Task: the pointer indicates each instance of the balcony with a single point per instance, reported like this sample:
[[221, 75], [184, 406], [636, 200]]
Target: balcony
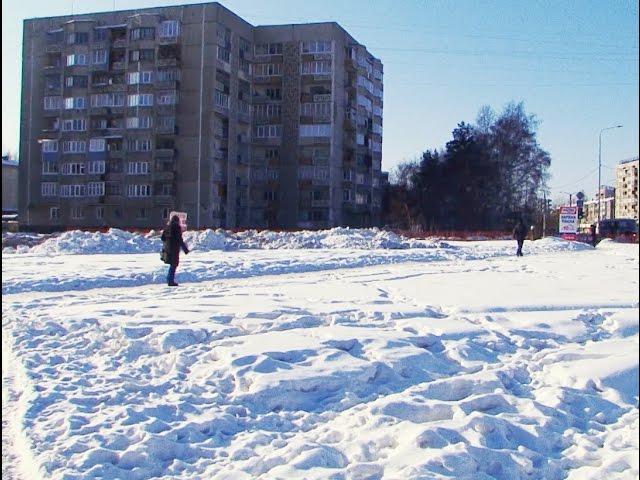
[[119, 43], [168, 62], [168, 40], [320, 203], [164, 152], [166, 130], [166, 175]]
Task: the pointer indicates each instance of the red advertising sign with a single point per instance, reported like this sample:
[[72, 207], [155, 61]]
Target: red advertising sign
[[568, 221]]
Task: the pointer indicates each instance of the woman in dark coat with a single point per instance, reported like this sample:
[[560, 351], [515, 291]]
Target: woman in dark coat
[[172, 243], [519, 233]]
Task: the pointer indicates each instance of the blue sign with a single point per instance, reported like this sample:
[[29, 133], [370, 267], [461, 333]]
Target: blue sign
[[579, 203]]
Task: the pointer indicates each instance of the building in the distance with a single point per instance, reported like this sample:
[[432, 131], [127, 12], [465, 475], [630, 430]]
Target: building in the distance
[[9, 185], [627, 189], [128, 115]]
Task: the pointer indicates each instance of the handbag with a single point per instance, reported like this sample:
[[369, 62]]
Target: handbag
[[164, 256]]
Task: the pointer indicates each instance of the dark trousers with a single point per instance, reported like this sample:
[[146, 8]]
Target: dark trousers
[[520, 243], [171, 275]]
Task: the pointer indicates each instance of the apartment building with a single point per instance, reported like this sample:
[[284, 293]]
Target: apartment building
[[128, 115], [627, 189], [9, 185]]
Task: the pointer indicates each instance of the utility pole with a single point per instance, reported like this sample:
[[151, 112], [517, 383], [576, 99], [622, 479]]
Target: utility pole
[[600, 167]]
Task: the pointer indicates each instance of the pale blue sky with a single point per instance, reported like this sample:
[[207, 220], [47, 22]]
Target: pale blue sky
[[573, 63]]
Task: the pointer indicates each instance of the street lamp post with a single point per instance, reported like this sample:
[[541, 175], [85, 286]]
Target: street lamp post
[[600, 167], [570, 197]]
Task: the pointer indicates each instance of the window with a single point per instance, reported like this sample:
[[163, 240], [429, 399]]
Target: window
[[140, 100], [74, 125], [142, 33], [267, 110], [267, 69], [139, 145], [365, 102], [139, 122], [52, 82], [322, 109], [80, 81], [346, 195], [145, 54], [99, 213], [223, 54], [49, 189], [366, 83], [168, 74], [95, 189], [74, 103], [113, 188], [52, 103], [142, 213], [49, 146], [221, 99], [267, 131], [271, 153], [77, 38], [77, 59], [316, 67], [107, 100], [138, 168], [268, 49], [72, 190], [96, 167], [74, 146], [315, 130], [169, 29], [134, 78], [77, 213], [317, 46], [99, 57], [49, 168], [97, 145], [138, 190], [168, 97], [73, 169], [166, 122], [271, 195], [54, 213], [100, 35], [273, 93]]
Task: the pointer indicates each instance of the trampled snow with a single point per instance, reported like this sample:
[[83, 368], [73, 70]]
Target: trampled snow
[[341, 354]]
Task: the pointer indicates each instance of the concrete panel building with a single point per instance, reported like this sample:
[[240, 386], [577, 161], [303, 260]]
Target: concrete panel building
[[9, 185], [627, 189], [128, 115]]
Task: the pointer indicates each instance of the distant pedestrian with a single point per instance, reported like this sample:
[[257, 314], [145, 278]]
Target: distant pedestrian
[[519, 233], [172, 243], [593, 234]]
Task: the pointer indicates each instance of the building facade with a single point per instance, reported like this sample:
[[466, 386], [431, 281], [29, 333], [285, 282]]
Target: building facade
[[9, 185], [129, 115], [627, 189]]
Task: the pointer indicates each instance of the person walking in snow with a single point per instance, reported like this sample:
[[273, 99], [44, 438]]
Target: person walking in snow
[[519, 233], [172, 243]]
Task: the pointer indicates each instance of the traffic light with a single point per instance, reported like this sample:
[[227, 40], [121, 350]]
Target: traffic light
[[579, 204]]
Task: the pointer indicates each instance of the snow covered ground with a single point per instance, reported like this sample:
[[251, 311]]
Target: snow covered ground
[[342, 354]]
